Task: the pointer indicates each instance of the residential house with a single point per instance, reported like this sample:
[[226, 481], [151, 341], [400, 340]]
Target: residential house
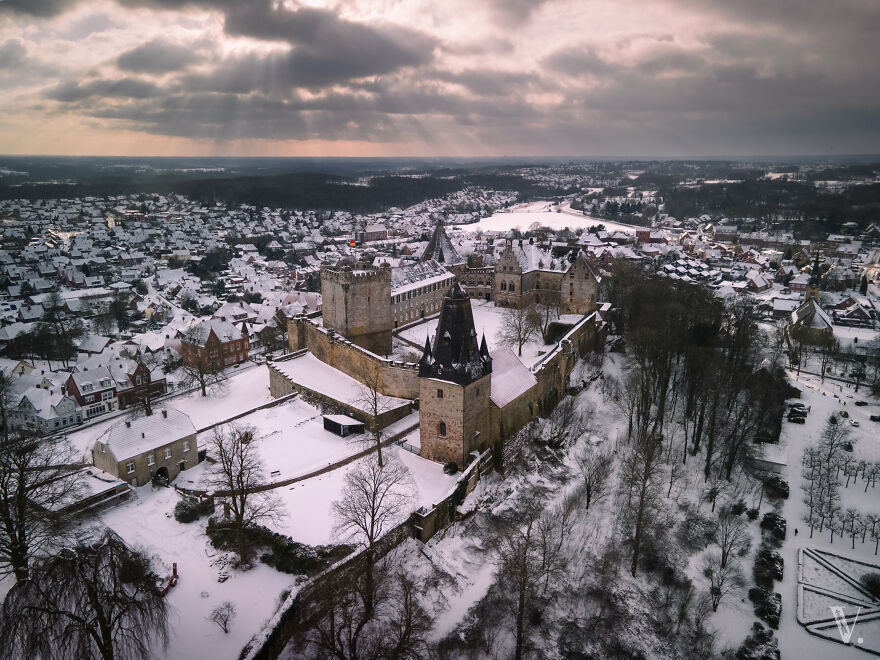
[[161, 445]]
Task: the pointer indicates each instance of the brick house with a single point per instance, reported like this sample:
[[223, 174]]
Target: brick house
[[163, 444], [216, 343]]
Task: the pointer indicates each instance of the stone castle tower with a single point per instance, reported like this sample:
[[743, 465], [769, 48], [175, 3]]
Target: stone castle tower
[[356, 302], [455, 380], [813, 288]]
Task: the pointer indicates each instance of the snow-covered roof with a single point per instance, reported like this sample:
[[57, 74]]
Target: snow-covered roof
[[130, 438], [510, 377]]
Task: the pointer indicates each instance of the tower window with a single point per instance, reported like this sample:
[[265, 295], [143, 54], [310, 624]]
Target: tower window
[[439, 394], [442, 429]]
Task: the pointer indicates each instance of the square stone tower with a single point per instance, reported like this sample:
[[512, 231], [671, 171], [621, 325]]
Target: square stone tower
[[455, 381], [356, 302]]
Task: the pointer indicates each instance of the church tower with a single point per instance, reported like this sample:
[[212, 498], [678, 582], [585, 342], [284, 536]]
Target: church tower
[[813, 288], [455, 380]]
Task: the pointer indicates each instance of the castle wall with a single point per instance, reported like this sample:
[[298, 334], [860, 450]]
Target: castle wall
[[398, 379], [578, 289], [280, 385]]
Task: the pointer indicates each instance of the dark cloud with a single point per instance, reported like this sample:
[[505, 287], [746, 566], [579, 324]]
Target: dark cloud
[[576, 62], [38, 8], [514, 13], [13, 54], [157, 56], [488, 82], [72, 92]]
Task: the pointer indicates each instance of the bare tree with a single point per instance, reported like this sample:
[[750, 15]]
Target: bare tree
[[373, 498], [198, 368], [594, 463], [374, 401], [39, 478], [642, 469], [92, 601], [518, 326], [223, 615], [547, 313], [732, 537], [833, 442], [722, 579], [395, 627], [566, 424], [7, 399], [236, 476], [519, 572]]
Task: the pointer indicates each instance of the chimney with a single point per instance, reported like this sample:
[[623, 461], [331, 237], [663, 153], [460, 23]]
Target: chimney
[[165, 414], [127, 424], [143, 434]]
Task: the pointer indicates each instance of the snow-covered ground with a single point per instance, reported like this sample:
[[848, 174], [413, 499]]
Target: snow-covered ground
[[307, 503], [147, 522], [543, 214], [823, 399], [245, 389], [488, 319]]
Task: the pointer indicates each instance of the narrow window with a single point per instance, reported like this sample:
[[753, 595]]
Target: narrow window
[[439, 394], [442, 429], [151, 459]]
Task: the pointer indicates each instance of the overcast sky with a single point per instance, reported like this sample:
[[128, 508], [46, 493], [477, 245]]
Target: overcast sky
[[448, 77]]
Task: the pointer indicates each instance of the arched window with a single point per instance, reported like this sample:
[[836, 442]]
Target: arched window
[[512, 287], [504, 286], [442, 429]]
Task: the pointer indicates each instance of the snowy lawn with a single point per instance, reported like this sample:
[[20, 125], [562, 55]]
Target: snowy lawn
[[308, 503], [524, 216], [488, 319], [147, 522], [245, 389]]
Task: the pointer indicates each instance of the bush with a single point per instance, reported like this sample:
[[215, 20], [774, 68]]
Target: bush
[[871, 582], [186, 510], [752, 514], [205, 507], [281, 552], [760, 645], [776, 487], [450, 468], [768, 605], [768, 566], [738, 509], [774, 524]]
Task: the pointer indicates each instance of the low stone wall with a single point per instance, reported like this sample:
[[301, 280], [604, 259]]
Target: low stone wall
[[281, 386], [427, 522], [398, 379], [303, 606]]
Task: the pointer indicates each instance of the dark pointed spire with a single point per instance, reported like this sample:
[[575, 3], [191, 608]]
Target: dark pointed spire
[[484, 349], [427, 357], [456, 355]]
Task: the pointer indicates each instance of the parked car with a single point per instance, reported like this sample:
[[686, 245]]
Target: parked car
[[853, 422], [875, 418], [797, 406], [861, 403], [844, 414], [797, 420]]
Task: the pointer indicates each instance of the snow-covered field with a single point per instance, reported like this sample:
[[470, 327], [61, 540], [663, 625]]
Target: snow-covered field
[[147, 522], [488, 319], [523, 216], [242, 391]]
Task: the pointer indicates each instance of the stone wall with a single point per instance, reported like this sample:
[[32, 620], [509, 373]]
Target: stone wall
[[280, 385], [400, 379]]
